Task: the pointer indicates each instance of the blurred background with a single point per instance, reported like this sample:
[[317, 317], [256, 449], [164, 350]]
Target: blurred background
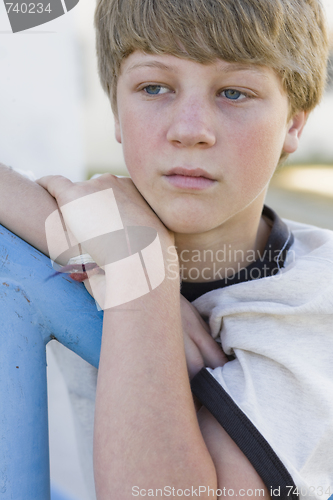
[[55, 119]]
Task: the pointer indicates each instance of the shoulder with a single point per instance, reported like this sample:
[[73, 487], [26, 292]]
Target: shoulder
[[312, 247], [310, 238]]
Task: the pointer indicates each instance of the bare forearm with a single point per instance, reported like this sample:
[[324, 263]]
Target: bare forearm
[[146, 430], [24, 207]]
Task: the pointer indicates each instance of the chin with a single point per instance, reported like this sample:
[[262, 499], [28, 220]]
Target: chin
[[182, 225]]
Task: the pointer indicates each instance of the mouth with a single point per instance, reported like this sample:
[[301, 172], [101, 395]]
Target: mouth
[[190, 172], [189, 178]]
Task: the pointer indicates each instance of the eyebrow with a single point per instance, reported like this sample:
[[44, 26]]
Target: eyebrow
[[243, 67], [232, 67], [151, 64]]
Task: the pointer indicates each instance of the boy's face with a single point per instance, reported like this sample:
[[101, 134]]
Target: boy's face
[[227, 119]]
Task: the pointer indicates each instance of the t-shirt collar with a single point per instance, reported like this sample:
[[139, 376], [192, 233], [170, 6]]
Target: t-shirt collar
[[271, 261]]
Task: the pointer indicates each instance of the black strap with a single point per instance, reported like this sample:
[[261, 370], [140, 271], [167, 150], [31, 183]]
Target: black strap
[[247, 437]]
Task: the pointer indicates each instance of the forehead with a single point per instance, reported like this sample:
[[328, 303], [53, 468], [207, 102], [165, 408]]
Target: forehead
[[139, 60]]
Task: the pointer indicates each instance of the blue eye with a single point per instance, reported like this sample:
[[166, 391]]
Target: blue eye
[[154, 89], [232, 94]]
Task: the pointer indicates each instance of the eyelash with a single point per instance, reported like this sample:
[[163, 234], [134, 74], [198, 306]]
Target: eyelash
[[147, 87], [244, 94]]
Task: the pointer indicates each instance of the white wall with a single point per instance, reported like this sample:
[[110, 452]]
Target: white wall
[[102, 152], [40, 99], [55, 118]]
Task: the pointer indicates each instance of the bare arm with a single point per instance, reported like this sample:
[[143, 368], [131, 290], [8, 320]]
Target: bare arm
[[158, 441], [147, 433], [24, 207]]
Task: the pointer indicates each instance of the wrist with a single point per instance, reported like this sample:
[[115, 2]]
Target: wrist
[[144, 269]]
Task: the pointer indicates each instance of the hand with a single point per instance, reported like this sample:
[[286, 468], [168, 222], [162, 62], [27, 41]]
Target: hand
[[111, 221], [200, 348], [133, 208]]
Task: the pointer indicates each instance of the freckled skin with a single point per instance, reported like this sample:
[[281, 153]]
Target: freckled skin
[[191, 122]]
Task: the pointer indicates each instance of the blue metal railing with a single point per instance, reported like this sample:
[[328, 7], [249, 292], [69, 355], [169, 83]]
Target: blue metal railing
[[34, 310]]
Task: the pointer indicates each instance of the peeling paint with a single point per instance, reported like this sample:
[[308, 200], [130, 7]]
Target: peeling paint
[[26, 298], [18, 289]]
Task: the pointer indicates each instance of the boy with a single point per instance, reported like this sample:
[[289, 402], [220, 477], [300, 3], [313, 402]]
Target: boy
[[208, 98]]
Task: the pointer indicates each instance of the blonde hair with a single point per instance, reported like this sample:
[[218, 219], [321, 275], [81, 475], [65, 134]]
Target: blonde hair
[[289, 36]]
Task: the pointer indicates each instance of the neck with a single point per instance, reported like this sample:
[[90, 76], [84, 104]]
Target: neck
[[221, 252]]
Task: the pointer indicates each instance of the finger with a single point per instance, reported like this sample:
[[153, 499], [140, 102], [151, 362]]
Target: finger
[[54, 184], [198, 331], [210, 350], [194, 358], [190, 314], [200, 319]]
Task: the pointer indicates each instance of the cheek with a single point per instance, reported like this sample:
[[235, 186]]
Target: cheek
[[259, 151], [140, 141]]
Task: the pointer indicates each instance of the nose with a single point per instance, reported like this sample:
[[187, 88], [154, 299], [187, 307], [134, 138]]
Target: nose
[[192, 124]]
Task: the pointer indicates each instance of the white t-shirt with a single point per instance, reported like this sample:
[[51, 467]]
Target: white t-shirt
[[280, 329]]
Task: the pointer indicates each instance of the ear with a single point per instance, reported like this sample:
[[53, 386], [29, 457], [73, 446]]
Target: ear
[[117, 129], [294, 131]]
